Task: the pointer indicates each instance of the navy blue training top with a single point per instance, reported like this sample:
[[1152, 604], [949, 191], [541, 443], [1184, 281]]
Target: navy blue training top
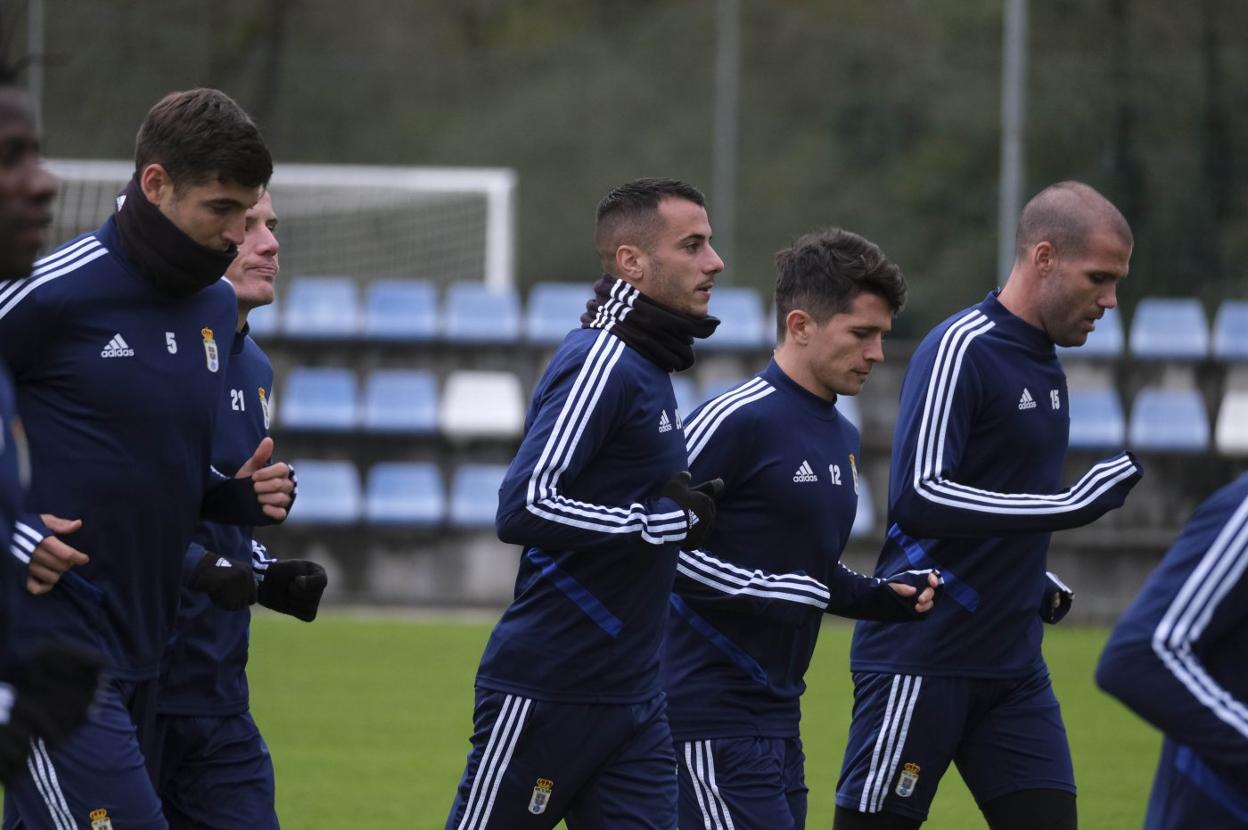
[[12, 496], [204, 672], [747, 606], [118, 386], [601, 439], [1177, 655], [975, 491]]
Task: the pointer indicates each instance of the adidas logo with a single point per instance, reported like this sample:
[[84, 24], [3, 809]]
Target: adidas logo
[[117, 347], [222, 562], [665, 423], [1026, 401], [805, 473]]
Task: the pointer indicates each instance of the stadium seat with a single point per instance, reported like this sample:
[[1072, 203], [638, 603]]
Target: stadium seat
[[864, 519], [1169, 420], [329, 493], [742, 325], [262, 321], [1096, 420], [474, 495], [407, 494], [1230, 331], [320, 308], [401, 401], [1169, 329], [477, 313], [1231, 436], [318, 399], [1105, 341], [554, 309], [686, 395], [401, 310], [847, 405], [481, 405]]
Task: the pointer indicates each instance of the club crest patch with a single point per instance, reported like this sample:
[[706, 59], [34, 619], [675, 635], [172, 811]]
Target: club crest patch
[[541, 796], [853, 468], [264, 406], [210, 350], [908, 779], [100, 820]]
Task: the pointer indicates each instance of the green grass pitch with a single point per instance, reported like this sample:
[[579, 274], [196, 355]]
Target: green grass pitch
[[368, 721]]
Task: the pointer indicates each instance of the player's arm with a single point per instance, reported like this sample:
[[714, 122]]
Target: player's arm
[[260, 493], [939, 402], [1157, 658], [568, 425], [46, 556]]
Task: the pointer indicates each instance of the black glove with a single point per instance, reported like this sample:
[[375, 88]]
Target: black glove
[[699, 504], [1056, 599], [294, 587], [229, 584], [886, 605], [49, 702]]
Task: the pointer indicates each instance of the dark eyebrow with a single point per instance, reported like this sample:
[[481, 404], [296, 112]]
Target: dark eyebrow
[[694, 237]]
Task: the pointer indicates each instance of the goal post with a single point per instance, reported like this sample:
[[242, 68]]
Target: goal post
[[439, 223]]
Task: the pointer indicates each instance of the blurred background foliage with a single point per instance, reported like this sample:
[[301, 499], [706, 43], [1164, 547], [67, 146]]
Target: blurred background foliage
[[878, 115]]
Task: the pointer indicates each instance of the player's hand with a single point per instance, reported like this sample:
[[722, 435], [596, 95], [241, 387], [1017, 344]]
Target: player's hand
[[274, 483], [925, 599], [294, 587], [698, 502], [52, 558], [50, 701], [229, 584], [1056, 600]]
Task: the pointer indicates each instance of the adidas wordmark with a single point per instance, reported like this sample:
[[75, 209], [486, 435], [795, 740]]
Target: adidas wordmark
[[805, 473], [117, 347], [1026, 401]]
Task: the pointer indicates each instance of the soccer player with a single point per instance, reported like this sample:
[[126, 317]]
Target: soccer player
[[46, 697], [569, 718], [747, 605], [1177, 659], [209, 743], [116, 344], [975, 491]]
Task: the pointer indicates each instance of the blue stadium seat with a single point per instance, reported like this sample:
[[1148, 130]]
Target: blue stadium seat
[[263, 321], [1232, 433], [1096, 420], [742, 325], [407, 494], [686, 395], [401, 401], [401, 310], [1169, 420], [554, 309], [329, 493], [320, 308], [847, 405], [1105, 341], [1170, 329], [1230, 331], [474, 495], [318, 399], [477, 313], [864, 519]]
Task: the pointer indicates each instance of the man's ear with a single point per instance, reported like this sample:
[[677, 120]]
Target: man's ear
[[155, 183], [1043, 257], [630, 263], [797, 327]]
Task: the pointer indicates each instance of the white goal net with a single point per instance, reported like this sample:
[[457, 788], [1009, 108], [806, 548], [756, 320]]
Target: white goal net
[[441, 224]]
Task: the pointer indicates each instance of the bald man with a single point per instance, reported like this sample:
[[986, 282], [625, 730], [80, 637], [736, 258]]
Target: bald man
[[975, 492]]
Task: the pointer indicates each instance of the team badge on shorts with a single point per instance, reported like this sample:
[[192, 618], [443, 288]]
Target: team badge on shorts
[[210, 350], [541, 796], [100, 820], [907, 780], [264, 406]]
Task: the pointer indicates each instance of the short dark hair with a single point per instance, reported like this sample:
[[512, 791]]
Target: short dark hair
[[822, 272], [629, 213], [201, 134], [1066, 215]]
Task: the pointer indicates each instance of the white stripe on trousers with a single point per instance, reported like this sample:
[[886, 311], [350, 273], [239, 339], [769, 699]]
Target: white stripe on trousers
[[498, 750], [902, 698], [44, 775], [700, 761]]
